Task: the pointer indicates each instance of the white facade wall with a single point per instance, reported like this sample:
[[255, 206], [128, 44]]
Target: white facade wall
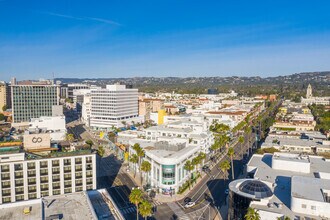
[[310, 207], [31, 179], [113, 105]]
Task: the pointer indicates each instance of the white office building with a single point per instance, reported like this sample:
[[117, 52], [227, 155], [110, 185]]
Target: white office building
[[114, 105], [283, 185]]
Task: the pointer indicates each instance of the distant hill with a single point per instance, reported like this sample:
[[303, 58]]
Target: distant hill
[[295, 83]]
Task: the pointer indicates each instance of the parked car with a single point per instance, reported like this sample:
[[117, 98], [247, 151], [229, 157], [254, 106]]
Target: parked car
[[186, 200], [189, 204]]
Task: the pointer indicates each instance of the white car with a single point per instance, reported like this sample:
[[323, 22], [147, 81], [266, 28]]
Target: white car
[[189, 204]]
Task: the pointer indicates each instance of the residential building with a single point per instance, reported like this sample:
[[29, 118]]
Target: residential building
[[283, 185], [26, 176], [115, 106], [32, 99], [148, 105]]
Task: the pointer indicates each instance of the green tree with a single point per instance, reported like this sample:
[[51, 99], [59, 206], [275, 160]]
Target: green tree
[[69, 137], [2, 117], [224, 167], [231, 153], [145, 209], [136, 197], [68, 100], [4, 108], [145, 167], [195, 161], [89, 142], [202, 157], [252, 214], [134, 159], [100, 151], [189, 167]]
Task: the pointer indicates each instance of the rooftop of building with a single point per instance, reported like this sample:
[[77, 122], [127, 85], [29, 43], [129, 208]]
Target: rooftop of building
[[68, 206], [281, 141]]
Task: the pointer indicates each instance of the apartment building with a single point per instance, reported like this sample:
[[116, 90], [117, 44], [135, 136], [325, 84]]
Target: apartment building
[[148, 105], [32, 99], [26, 176], [114, 105]]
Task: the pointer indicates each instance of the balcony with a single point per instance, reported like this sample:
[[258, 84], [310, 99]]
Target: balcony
[[19, 184], [44, 189], [7, 177], [18, 175], [32, 182], [44, 180], [67, 170], [4, 169], [32, 190], [56, 187], [79, 168], [89, 167], [5, 186], [6, 194], [67, 177], [18, 167], [43, 165], [31, 174], [56, 171], [43, 173], [55, 164], [19, 192], [56, 179], [79, 184], [78, 161], [31, 166]]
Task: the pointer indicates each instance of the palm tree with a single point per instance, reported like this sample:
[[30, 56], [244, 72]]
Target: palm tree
[[134, 159], [252, 214], [195, 161], [136, 197], [202, 157], [145, 208], [231, 153], [145, 167], [224, 167], [189, 167], [139, 152], [241, 140]]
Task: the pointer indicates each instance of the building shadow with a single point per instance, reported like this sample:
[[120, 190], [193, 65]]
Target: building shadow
[[282, 189]]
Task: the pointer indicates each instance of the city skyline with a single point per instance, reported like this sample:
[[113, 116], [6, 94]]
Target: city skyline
[[110, 39]]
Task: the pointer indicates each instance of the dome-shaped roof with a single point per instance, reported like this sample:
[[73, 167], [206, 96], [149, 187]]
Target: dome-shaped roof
[[256, 188]]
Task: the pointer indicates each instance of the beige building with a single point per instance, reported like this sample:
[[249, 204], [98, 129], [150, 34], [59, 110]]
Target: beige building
[[146, 106], [3, 95]]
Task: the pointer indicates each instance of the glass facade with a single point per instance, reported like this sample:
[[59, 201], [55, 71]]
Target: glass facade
[[168, 174], [33, 101]]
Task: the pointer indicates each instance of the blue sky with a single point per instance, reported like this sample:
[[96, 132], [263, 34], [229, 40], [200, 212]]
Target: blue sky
[[162, 38]]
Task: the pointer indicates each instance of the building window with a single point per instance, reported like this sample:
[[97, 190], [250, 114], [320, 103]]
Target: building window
[[303, 206], [313, 207]]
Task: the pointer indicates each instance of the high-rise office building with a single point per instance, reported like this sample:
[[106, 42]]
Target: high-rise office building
[[114, 105], [32, 99]]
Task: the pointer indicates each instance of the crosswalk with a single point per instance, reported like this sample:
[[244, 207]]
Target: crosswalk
[[178, 211], [132, 208]]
